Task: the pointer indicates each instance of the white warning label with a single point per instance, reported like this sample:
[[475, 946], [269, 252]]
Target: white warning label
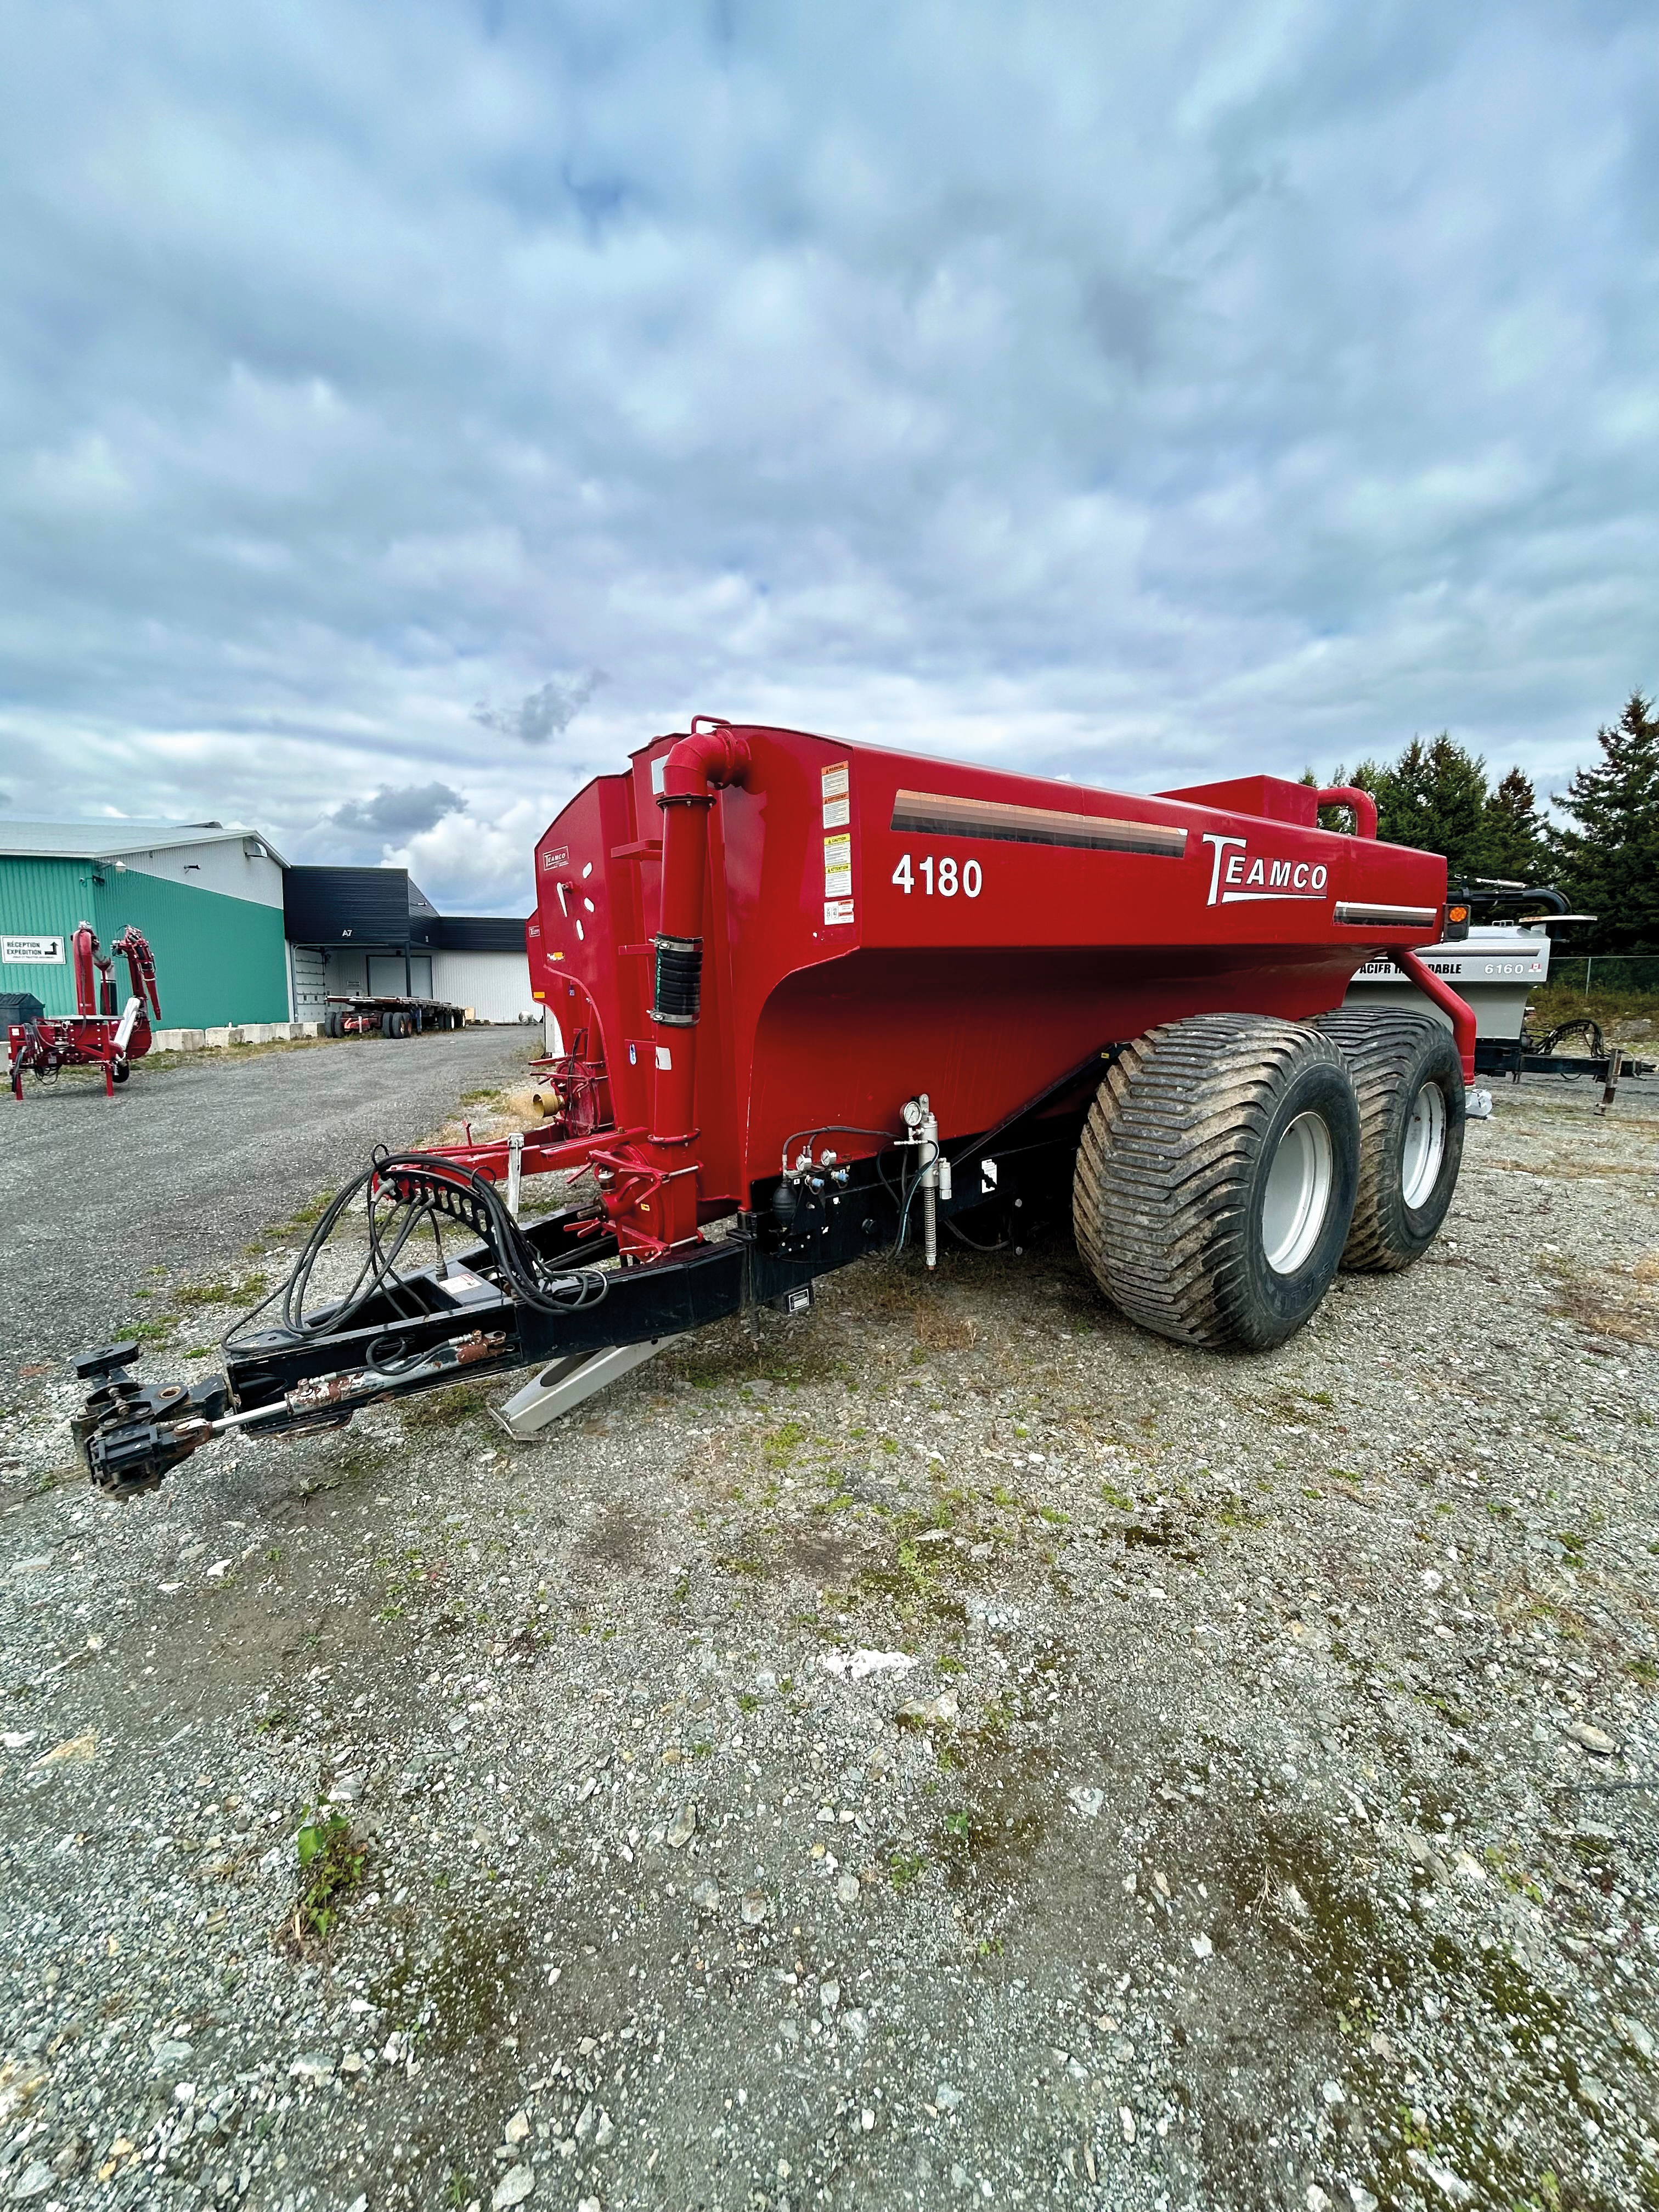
[[838, 867], [836, 911], [837, 796]]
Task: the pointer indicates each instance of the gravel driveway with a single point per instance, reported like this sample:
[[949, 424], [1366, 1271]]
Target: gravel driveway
[[193, 1159], [958, 1751]]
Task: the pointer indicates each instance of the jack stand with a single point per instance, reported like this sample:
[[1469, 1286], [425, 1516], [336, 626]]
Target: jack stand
[[1610, 1091], [567, 1382]]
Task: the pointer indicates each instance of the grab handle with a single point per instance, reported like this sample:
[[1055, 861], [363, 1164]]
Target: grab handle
[[1363, 805]]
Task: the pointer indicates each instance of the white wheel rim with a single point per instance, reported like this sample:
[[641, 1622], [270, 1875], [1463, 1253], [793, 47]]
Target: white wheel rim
[[1425, 1147], [1297, 1197]]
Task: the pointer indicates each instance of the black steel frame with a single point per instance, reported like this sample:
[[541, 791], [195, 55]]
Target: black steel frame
[[414, 1338]]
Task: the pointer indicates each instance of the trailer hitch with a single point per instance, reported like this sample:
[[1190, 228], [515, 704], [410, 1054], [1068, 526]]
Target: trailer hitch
[[130, 1433]]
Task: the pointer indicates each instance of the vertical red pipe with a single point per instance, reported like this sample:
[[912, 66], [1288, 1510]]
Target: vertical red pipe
[[706, 762], [1457, 1011], [85, 948]]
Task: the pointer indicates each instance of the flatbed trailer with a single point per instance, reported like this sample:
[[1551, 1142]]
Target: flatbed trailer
[[824, 997], [358, 1014]]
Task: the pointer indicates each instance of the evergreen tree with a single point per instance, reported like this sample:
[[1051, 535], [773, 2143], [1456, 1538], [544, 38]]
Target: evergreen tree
[[1515, 838], [1611, 859], [1434, 797]]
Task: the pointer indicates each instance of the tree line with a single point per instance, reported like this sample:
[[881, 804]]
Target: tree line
[[1604, 852]]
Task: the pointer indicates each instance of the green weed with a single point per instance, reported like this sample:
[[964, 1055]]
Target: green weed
[[148, 1332], [442, 1409], [189, 1297], [331, 1861], [779, 1445]]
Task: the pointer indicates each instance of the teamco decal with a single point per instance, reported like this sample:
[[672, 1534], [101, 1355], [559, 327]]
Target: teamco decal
[[1237, 875]]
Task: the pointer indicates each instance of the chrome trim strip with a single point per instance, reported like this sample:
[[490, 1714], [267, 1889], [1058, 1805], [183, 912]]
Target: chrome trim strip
[[938, 814], [1360, 915]]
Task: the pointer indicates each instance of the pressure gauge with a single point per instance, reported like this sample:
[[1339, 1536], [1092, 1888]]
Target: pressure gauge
[[913, 1110]]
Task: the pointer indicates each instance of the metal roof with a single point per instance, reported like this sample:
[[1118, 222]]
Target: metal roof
[[107, 840]]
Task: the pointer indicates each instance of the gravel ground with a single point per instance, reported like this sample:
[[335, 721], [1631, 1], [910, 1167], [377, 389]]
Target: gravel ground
[[198, 1154], [959, 1749]]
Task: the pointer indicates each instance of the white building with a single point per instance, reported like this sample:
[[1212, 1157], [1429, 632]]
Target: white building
[[374, 933]]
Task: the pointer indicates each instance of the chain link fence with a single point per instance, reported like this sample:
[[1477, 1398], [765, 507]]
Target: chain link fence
[[1611, 971]]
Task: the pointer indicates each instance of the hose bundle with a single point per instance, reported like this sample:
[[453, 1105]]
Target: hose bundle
[[403, 1193]]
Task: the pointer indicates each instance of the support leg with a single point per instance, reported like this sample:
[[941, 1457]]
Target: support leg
[[567, 1382]]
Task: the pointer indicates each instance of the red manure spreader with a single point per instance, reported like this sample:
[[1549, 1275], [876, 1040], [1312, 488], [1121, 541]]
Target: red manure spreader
[[94, 1035], [822, 1000]]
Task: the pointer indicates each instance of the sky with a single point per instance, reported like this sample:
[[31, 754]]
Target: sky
[[407, 411]]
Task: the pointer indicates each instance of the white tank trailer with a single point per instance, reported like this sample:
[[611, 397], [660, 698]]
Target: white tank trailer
[[1494, 969]]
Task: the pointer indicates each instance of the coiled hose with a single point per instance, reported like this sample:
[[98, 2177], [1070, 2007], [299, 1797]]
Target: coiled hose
[[394, 1215]]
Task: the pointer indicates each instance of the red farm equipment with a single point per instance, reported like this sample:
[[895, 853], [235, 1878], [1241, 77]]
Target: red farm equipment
[[95, 1035], [821, 999]]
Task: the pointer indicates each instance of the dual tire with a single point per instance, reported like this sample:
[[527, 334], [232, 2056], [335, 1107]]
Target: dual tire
[[1408, 1085], [1230, 1162]]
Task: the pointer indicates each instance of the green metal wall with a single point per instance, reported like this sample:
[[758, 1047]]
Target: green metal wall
[[38, 898], [217, 959]]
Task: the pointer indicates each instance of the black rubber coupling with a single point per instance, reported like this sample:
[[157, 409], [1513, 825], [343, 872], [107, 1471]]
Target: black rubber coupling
[[679, 982]]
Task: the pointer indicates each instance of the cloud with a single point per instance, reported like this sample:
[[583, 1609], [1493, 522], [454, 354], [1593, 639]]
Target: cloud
[[1144, 395], [543, 714], [399, 814], [485, 867]]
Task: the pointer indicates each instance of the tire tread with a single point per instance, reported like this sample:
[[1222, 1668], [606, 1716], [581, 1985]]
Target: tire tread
[[1378, 1046], [1164, 1160]]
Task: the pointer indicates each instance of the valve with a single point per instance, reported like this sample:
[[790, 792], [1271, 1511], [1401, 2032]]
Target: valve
[[921, 1127]]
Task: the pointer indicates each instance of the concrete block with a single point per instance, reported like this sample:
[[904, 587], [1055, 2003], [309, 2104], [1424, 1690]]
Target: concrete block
[[215, 1040], [307, 1029]]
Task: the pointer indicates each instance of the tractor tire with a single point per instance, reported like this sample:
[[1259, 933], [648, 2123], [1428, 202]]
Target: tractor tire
[[332, 1022], [1408, 1081], [1215, 1176]]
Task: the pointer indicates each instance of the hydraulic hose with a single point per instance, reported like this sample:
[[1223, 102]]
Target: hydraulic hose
[[423, 1176]]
